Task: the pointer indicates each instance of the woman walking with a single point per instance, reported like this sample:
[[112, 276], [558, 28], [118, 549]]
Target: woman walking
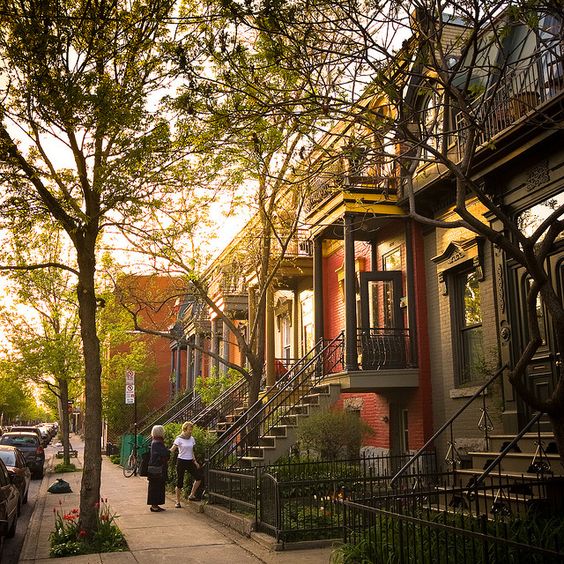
[[185, 444], [157, 471]]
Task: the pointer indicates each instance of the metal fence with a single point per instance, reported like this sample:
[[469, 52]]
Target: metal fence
[[426, 517], [478, 525]]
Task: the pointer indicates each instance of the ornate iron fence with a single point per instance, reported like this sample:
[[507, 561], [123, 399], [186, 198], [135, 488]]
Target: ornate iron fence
[[384, 348]]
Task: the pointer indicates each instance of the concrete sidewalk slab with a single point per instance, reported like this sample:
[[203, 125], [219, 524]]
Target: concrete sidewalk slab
[[176, 535]]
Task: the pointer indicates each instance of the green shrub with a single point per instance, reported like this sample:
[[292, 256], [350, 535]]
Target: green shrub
[[211, 387], [115, 458], [333, 434]]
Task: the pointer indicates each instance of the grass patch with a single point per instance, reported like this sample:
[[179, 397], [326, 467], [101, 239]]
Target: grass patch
[[62, 467]]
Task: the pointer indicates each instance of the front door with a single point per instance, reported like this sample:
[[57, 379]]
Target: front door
[[544, 369], [382, 334]]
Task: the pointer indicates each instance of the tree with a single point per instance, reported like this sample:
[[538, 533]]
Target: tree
[[15, 396], [413, 76], [259, 148], [42, 322], [85, 143]]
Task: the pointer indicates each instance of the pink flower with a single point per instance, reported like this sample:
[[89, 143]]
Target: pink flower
[[96, 505], [82, 533]]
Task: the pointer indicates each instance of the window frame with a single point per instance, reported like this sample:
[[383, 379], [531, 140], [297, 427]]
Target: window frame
[[458, 280]]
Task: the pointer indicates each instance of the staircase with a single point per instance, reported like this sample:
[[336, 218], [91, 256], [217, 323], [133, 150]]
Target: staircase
[[511, 476], [267, 429], [528, 476]]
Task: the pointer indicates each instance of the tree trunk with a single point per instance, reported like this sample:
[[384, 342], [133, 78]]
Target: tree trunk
[[90, 485], [64, 391]]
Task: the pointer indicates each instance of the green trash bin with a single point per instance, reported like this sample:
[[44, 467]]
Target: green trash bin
[[127, 446]]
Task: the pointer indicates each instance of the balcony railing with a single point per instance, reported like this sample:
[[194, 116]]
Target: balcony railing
[[526, 86], [382, 348]]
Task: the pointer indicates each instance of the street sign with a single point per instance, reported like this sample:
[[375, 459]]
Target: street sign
[[129, 387]]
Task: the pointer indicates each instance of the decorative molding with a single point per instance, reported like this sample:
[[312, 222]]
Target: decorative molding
[[500, 288], [467, 392], [457, 253], [537, 176]]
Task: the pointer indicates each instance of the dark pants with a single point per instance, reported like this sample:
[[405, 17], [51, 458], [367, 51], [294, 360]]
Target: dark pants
[[186, 465]]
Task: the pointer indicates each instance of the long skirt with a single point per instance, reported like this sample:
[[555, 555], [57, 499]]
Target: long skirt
[[156, 490]]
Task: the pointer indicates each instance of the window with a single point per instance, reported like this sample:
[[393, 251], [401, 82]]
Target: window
[[467, 325]]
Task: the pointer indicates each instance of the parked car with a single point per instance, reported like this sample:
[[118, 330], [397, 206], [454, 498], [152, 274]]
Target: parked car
[[30, 445], [18, 469], [30, 429], [9, 503]]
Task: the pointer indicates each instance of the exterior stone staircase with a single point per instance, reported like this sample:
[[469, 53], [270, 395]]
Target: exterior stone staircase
[[283, 435], [529, 477]]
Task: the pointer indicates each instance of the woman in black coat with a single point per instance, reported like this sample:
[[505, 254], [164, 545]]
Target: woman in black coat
[[159, 457]]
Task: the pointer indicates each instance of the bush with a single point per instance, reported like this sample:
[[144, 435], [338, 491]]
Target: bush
[[115, 458], [211, 387], [333, 434]]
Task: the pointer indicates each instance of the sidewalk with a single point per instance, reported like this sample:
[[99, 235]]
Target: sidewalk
[[176, 535]]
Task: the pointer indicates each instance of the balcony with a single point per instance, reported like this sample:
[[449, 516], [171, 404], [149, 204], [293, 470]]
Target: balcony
[[385, 359], [527, 86], [382, 348]]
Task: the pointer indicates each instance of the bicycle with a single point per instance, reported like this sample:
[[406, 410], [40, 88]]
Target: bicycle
[[131, 466]]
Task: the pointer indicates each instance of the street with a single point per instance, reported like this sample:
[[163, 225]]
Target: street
[[12, 547]]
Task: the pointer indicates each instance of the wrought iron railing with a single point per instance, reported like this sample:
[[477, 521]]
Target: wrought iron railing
[[526, 85], [261, 417], [452, 457], [160, 416], [384, 348], [451, 524]]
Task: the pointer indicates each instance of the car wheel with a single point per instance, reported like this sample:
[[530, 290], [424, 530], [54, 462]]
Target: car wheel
[[12, 530]]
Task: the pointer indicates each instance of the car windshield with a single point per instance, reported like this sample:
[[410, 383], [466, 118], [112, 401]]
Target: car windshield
[[8, 457], [18, 441]]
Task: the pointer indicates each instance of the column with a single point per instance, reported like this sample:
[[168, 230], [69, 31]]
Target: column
[[351, 355], [270, 346], [318, 288], [411, 305], [198, 341], [178, 368], [226, 346], [190, 364]]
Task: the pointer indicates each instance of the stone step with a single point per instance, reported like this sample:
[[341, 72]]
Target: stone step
[[528, 443], [513, 461]]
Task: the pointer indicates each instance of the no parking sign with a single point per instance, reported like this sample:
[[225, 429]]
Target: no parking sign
[[129, 387]]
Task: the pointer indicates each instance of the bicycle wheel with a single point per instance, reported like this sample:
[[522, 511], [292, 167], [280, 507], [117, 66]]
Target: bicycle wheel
[[130, 466]]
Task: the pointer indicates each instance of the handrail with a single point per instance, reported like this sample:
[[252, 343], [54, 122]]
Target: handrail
[[161, 412], [258, 409], [448, 423], [505, 450]]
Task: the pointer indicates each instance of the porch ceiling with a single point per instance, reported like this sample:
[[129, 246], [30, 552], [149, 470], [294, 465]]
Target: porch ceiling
[[375, 380], [355, 202]]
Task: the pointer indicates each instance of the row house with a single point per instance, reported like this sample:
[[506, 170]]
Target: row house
[[425, 313]]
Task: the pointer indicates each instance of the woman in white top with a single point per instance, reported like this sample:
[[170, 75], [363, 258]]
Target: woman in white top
[[185, 444]]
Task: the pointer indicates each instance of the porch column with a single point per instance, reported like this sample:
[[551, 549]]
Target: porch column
[[226, 347], [189, 365], [270, 347], [295, 326], [373, 255], [198, 341], [172, 368], [215, 345], [351, 355], [411, 309], [318, 288], [178, 368]]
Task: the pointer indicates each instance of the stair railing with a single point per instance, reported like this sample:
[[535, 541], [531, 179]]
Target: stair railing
[[453, 457], [259, 418], [496, 462], [161, 415]]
